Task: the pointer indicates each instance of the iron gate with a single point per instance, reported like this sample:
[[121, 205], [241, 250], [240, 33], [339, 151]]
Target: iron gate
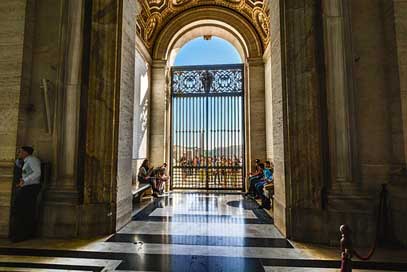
[[207, 127]]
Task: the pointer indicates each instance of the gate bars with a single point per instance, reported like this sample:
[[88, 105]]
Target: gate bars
[[207, 127]]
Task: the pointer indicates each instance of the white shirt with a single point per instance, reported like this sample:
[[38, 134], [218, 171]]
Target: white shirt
[[31, 170]]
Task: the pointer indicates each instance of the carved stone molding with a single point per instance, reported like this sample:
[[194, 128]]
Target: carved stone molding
[[155, 14]]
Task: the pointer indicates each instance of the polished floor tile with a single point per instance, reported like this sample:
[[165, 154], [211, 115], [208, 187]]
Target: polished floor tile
[[179, 232], [200, 240]]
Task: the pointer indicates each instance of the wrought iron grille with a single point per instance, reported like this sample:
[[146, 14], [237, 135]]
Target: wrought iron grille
[[207, 127], [207, 80]]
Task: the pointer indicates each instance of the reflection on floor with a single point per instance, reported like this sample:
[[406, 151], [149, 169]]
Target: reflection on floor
[[185, 232]]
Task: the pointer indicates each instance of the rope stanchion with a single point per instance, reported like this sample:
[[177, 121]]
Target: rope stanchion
[[347, 250]]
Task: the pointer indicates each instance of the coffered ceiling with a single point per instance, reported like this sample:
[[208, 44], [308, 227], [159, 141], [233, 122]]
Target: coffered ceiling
[[154, 14]]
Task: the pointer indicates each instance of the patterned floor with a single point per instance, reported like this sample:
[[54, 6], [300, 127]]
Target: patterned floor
[[181, 232]]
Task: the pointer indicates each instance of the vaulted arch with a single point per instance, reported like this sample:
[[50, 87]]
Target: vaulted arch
[[225, 24]]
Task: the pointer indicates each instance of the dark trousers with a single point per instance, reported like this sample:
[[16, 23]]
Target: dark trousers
[[253, 181], [23, 213]]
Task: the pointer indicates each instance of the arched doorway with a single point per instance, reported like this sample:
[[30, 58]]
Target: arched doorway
[[229, 26], [207, 124]]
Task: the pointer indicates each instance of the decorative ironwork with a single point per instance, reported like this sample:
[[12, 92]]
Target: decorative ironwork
[[207, 128], [212, 80]]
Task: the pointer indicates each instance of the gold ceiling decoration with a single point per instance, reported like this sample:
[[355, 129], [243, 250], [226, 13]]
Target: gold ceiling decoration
[[156, 13]]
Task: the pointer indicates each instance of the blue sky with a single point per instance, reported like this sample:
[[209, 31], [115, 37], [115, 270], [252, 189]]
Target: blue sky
[[223, 114], [201, 52]]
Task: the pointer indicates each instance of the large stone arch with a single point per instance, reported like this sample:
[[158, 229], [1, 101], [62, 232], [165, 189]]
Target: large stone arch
[[216, 16], [206, 27], [226, 24]]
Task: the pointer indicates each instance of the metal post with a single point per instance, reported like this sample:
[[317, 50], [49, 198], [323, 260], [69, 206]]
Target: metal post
[[346, 249]]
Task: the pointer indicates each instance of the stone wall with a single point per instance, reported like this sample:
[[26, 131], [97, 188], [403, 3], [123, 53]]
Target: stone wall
[[371, 88], [377, 73], [141, 113], [46, 65], [277, 85], [326, 171], [255, 112], [302, 113], [124, 196], [13, 30], [400, 19], [365, 143], [158, 116], [268, 104], [101, 129], [396, 16]]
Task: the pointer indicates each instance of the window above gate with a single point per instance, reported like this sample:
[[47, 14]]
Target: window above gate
[[208, 80]]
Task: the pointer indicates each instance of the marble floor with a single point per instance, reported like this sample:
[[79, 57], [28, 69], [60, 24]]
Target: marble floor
[[186, 232]]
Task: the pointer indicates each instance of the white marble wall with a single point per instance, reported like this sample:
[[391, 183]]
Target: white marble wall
[[277, 118], [268, 103], [125, 148], [141, 112], [256, 124], [157, 148]]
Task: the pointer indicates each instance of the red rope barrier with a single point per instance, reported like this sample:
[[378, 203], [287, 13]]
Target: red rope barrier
[[346, 242], [378, 222]]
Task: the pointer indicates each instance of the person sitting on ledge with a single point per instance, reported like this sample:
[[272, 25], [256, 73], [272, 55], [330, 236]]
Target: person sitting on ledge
[[255, 178], [23, 223], [161, 178], [268, 179], [146, 174]]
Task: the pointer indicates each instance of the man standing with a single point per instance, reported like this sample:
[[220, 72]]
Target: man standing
[[28, 186]]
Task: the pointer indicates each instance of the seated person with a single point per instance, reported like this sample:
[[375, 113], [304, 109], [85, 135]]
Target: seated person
[[255, 178], [146, 175], [268, 179], [144, 172], [257, 172], [161, 178]]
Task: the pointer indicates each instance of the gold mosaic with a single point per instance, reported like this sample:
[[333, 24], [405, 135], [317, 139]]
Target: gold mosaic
[[155, 14]]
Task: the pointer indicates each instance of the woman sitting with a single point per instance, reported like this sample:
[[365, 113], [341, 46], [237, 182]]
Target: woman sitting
[[146, 175]]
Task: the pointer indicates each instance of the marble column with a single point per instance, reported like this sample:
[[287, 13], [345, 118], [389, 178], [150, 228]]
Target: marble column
[[298, 116], [268, 102], [398, 181], [157, 146], [62, 197], [255, 112], [277, 117], [338, 85], [69, 119], [124, 204], [400, 21], [13, 44]]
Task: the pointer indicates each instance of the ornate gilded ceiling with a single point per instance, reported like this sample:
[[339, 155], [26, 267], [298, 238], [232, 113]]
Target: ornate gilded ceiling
[[156, 13]]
